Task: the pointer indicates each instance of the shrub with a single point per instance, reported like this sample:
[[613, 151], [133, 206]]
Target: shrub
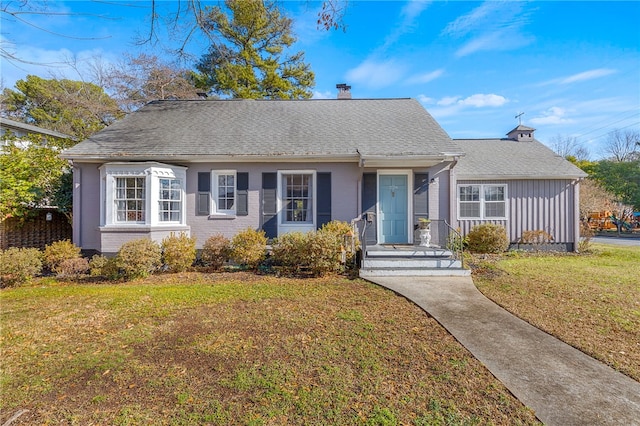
[[290, 253], [537, 236], [19, 265], [456, 242], [138, 258], [101, 266], [248, 248], [73, 268], [488, 238], [339, 230], [313, 253], [216, 251], [57, 252], [178, 252], [586, 233], [324, 253]]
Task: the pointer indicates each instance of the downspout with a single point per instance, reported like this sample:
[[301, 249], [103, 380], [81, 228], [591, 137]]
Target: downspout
[[76, 220], [452, 192], [576, 214]]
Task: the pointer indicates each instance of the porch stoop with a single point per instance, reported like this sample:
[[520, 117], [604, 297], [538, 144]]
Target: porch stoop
[[406, 260]]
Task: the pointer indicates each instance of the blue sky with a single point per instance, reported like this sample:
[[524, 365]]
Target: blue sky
[[572, 68]]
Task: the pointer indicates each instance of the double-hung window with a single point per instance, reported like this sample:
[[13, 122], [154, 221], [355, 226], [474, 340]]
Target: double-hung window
[[224, 192], [170, 200], [297, 197], [486, 201], [130, 200]]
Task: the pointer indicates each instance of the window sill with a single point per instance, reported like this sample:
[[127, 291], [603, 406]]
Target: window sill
[[221, 216], [141, 227]]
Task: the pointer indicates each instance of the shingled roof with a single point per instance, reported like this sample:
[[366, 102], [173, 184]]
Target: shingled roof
[[201, 130], [509, 159]]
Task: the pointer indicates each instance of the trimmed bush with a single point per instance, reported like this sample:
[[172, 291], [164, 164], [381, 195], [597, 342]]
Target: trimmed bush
[[339, 230], [19, 265], [291, 253], [138, 258], [325, 253], [248, 248], [58, 252], [216, 251], [313, 253], [101, 266], [178, 252], [73, 268], [488, 238]]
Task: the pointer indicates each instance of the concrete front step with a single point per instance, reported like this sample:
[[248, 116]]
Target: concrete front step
[[409, 251], [425, 272], [411, 262], [405, 260]]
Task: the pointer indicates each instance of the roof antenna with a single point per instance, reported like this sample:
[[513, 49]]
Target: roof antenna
[[519, 117]]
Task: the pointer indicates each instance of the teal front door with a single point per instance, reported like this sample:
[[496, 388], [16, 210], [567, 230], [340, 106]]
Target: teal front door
[[393, 214]]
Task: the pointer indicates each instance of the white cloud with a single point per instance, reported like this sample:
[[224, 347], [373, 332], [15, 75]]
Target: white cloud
[[494, 25], [469, 22], [553, 115], [376, 74], [481, 100], [323, 95], [424, 99], [587, 75], [425, 77], [453, 105], [448, 100]]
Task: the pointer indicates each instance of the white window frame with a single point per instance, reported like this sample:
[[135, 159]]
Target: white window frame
[[483, 202], [170, 200], [283, 225], [215, 190], [152, 172], [137, 199]]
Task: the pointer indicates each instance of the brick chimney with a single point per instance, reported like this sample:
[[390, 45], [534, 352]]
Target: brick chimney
[[344, 91]]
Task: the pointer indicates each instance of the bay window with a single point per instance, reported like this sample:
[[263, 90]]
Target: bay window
[[147, 193]]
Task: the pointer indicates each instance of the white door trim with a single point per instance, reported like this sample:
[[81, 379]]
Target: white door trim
[[409, 174]]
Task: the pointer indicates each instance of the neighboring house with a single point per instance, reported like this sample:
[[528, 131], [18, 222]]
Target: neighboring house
[[220, 166], [21, 130], [47, 224]]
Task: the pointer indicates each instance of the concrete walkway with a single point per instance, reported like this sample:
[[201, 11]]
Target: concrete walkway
[[561, 384]]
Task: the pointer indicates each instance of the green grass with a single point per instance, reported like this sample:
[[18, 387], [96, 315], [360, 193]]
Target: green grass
[[236, 349], [591, 301]]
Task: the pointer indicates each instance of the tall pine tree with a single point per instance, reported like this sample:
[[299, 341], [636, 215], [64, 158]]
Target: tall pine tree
[[251, 59]]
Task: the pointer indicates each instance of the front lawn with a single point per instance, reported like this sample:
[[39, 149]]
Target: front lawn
[[591, 301], [199, 348]]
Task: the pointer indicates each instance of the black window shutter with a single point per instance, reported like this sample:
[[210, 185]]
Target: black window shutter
[[269, 204], [202, 197], [420, 196], [369, 200], [323, 210], [242, 194]]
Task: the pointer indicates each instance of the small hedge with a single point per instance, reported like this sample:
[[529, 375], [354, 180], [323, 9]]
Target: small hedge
[[215, 251], [19, 265], [138, 258], [313, 253], [488, 238], [249, 248], [178, 252], [62, 252]]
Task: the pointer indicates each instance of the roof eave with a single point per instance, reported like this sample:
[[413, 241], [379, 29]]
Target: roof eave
[[462, 176]]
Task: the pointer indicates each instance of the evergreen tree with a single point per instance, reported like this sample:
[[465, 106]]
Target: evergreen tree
[[251, 58]]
